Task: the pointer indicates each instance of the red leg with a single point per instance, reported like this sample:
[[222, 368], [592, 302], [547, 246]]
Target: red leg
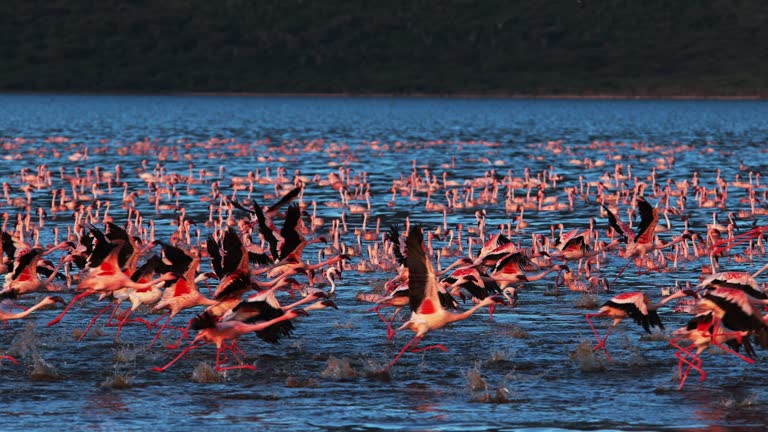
[[66, 309], [184, 334], [93, 321], [9, 358], [181, 354], [413, 342], [122, 323], [226, 368], [112, 316], [491, 308], [154, 323], [160, 331], [629, 260], [438, 346], [600, 342], [390, 330], [729, 350]]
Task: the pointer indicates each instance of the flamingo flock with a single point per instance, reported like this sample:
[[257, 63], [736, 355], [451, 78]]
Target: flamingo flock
[[154, 241]]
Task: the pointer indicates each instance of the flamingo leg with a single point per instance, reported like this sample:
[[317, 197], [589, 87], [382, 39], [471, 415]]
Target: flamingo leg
[[600, 341], [491, 308], [235, 348], [184, 334], [69, 306], [154, 323], [390, 330], [729, 350], [226, 368], [437, 346], [122, 323], [413, 342], [629, 260], [160, 331], [694, 362], [112, 316], [181, 354], [93, 321], [9, 358]]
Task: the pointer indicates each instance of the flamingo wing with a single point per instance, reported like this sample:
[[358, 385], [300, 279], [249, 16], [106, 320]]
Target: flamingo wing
[[649, 217], [117, 234], [394, 236], [293, 193], [291, 237], [620, 227], [422, 286], [179, 259]]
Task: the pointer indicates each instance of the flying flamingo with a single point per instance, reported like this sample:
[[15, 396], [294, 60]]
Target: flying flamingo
[[105, 279], [511, 270], [218, 332], [736, 310], [643, 243], [182, 293], [426, 311], [703, 330], [24, 279], [635, 305], [742, 281]]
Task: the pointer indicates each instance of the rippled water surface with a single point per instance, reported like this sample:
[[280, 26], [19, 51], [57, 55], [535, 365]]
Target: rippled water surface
[[526, 368]]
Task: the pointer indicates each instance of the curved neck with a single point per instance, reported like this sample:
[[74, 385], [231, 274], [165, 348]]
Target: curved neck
[[453, 317], [23, 314]]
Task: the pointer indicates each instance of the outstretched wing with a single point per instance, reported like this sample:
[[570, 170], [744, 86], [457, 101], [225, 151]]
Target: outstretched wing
[[272, 211], [620, 227], [394, 236], [649, 217], [422, 286], [290, 234]]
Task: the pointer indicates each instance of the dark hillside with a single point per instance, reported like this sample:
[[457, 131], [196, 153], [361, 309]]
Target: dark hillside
[[631, 47]]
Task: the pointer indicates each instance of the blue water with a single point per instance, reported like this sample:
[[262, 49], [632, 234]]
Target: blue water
[[518, 371]]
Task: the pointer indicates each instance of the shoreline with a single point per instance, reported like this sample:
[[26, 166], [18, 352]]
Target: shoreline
[[512, 96]]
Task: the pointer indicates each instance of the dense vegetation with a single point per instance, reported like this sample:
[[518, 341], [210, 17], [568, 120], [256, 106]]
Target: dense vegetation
[[630, 47]]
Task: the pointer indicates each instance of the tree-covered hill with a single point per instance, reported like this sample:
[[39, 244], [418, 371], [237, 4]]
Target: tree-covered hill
[[583, 47]]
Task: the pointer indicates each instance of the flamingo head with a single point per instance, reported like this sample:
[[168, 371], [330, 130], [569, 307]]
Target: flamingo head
[[55, 299], [297, 312]]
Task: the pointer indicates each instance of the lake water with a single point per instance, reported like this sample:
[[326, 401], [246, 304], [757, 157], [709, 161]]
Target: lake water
[[521, 370]]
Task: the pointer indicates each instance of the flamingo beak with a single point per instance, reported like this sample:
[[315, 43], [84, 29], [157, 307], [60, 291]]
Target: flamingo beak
[[301, 312], [330, 303], [58, 299]]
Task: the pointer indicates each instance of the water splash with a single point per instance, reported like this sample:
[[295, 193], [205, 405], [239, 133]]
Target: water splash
[[587, 301], [475, 381], [43, 371], [584, 356], [656, 336], [339, 370], [24, 343], [205, 374], [117, 382], [126, 354]]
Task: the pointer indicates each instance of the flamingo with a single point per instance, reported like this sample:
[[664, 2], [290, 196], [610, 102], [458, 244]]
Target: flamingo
[[703, 330], [426, 311], [24, 279], [736, 310], [642, 243], [182, 293], [636, 305], [742, 281], [511, 270], [218, 332]]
